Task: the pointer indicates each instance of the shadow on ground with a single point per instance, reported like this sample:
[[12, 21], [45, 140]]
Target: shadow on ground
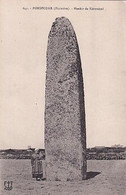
[[92, 174]]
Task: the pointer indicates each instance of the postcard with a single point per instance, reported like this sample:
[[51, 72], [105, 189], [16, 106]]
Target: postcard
[[63, 97]]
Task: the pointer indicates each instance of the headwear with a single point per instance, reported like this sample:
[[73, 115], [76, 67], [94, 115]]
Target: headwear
[[36, 150]]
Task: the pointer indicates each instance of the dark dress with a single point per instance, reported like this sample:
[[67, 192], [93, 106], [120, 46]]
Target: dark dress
[[37, 170]]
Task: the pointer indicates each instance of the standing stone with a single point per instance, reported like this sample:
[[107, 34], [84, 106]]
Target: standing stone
[[65, 130]]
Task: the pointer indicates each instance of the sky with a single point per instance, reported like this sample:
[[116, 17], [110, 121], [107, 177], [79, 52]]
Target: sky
[[101, 37]]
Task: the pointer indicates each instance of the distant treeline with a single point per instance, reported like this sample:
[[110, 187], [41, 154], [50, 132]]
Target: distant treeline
[[106, 153], [96, 153]]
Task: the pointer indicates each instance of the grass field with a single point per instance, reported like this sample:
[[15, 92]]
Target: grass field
[[103, 177]]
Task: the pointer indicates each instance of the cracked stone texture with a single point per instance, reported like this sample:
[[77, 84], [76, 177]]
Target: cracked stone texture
[[65, 130]]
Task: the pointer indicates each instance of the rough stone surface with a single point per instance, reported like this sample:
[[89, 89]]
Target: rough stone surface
[[65, 131]]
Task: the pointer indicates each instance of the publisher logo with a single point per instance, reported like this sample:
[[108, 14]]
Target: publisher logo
[[8, 185]]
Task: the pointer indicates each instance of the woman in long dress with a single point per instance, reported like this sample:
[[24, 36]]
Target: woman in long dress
[[36, 162]]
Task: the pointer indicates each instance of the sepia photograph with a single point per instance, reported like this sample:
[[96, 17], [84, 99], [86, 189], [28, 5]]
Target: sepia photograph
[[63, 97]]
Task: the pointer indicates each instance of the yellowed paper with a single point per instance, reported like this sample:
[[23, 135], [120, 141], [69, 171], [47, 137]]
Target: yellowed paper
[[101, 34]]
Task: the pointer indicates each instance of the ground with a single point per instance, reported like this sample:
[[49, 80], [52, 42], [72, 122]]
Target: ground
[[103, 178]]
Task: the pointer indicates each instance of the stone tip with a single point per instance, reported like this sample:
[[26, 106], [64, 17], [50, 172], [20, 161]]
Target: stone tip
[[61, 25], [62, 19]]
